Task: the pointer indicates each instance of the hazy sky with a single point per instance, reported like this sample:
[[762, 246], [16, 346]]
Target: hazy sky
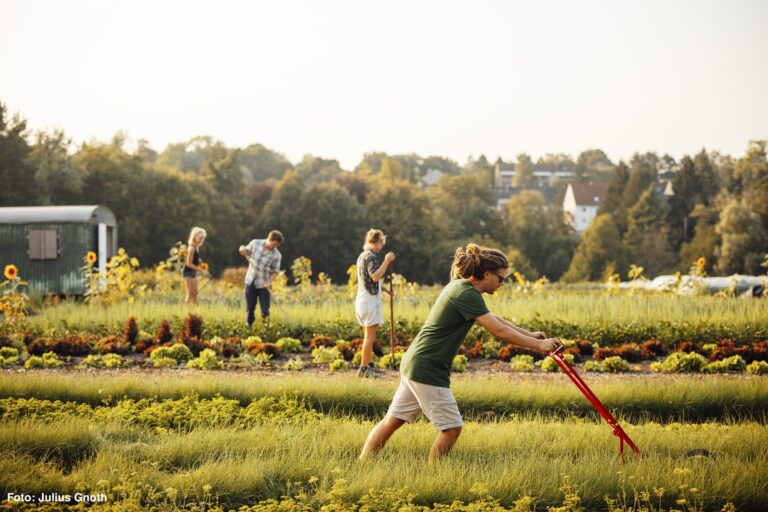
[[338, 79]]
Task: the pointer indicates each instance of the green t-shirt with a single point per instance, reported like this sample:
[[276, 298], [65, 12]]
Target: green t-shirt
[[429, 358]]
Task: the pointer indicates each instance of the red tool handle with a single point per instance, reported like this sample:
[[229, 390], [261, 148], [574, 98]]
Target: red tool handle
[[564, 365]]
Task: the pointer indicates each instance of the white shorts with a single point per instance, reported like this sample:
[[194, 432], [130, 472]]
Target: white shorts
[[369, 313], [437, 404]]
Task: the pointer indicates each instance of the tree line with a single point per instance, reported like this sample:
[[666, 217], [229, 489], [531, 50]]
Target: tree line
[[719, 209]]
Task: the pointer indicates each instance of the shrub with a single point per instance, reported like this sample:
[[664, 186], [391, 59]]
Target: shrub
[[145, 345], [9, 352], [193, 327], [522, 363], [585, 347], [165, 362], [205, 361], [347, 350], [356, 343], [105, 361], [262, 360], [726, 348], [460, 363], [324, 354], [321, 341], [757, 351], [48, 360], [549, 364], [390, 361], [229, 347], [289, 345], [689, 346], [573, 351], [131, 331], [654, 346], [6, 361], [593, 366], [476, 351], [507, 352], [295, 365], [177, 352], [630, 352], [679, 362], [164, 333], [195, 344], [615, 364], [112, 345], [757, 368], [92, 361], [256, 348], [491, 349], [112, 360], [70, 345], [338, 364], [34, 362], [603, 353], [252, 339], [733, 364]]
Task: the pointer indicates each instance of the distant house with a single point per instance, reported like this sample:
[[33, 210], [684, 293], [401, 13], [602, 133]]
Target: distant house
[[544, 175], [581, 202], [431, 177], [48, 243]]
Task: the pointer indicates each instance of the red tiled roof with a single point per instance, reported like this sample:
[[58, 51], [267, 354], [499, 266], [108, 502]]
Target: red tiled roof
[[588, 194]]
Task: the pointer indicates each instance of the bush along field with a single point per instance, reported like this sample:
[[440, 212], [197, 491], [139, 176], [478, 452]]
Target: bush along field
[[191, 343]]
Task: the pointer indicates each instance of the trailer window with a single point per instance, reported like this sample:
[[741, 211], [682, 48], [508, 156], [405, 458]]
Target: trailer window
[[43, 244]]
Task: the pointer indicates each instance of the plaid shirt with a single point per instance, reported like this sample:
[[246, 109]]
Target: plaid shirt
[[261, 263]]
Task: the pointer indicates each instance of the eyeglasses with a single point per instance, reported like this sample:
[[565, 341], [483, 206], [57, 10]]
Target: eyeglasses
[[501, 278]]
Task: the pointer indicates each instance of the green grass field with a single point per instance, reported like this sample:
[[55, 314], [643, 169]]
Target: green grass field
[[165, 439]]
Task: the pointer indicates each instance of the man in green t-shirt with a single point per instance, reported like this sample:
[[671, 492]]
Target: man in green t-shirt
[[426, 366]]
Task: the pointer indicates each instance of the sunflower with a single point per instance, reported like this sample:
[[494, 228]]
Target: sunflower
[[204, 266], [91, 257], [134, 262], [11, 272]]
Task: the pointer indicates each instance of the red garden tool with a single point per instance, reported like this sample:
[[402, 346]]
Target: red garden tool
[[564, 365]]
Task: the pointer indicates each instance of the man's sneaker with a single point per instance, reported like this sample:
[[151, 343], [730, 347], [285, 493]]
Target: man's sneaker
[[368, 371]]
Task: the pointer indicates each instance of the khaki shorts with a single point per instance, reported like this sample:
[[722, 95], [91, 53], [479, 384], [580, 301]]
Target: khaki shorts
[[437, 404]]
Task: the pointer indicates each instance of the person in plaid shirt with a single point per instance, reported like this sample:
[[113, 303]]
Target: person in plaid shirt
[[263, 266]]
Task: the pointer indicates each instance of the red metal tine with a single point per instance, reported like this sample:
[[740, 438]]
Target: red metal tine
[[619, 431], [596, 403]]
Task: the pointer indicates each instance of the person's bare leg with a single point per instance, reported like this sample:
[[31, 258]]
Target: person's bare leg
[[443, 443], [369, 336], [191, 285], [380, 435]]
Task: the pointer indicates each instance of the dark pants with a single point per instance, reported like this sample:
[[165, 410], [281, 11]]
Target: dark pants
[[252, 296]]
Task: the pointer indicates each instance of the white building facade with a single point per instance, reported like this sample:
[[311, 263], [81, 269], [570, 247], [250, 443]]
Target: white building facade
[[581, 203]]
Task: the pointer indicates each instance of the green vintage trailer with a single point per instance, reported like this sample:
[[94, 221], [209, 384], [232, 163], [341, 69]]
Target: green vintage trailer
[[48, 243]]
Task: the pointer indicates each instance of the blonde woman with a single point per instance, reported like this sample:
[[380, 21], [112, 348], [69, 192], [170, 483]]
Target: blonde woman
[[425, 370], [368, 306], [193, 265]]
